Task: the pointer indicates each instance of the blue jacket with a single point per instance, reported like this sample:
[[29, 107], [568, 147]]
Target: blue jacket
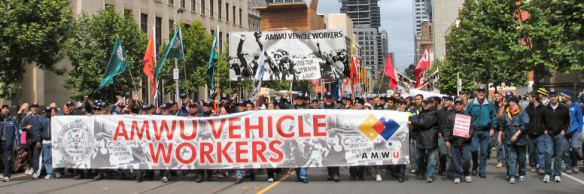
[[8, 129], [512, 124], [575, 118], [484, 116]]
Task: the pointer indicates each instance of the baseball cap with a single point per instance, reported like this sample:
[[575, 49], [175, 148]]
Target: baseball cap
[[567, 93], [428, 100], [458, 100], [482, 88], [553, 91]]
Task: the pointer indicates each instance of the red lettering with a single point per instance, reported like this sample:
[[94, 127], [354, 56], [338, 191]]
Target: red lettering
[[395, 154], [270, 129], [139, 131], [240, 150], [164, 127], [223, 152], [206, 150], [301, 132], [160, 149], [259, 127], [258, 152], [121, 131], [193, 135], [217, 131], [234, 126], [277, 151], [179, 152], [279, 126], [317, 123]]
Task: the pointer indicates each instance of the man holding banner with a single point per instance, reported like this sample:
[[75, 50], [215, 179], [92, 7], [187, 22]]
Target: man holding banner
[[426, 125], [460, 143]]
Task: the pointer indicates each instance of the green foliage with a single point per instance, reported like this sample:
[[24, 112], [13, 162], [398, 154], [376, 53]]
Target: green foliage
[[89, 51], [556, 31], [193, 72], [485, 47], [32, 31]]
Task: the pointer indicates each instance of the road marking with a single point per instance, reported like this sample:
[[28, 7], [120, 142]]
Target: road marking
[[273, 185], [19, 176], [573, 178]]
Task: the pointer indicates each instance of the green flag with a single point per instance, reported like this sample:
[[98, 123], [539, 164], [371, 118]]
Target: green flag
[[175, 50], [214, 56], [116, 65]]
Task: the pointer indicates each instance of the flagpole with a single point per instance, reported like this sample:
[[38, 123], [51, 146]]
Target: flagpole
[[379, 88]]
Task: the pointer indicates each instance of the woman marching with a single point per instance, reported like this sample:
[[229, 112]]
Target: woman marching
[[513, 135]]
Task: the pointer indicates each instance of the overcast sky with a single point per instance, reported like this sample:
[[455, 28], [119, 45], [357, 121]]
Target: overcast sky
[[396, 19]]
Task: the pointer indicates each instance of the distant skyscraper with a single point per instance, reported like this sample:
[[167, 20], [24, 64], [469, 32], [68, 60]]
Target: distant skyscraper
[[422, 12], [383, 48], [366, 21]]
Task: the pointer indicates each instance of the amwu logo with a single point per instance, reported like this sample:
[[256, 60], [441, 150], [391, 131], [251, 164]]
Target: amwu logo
[[373, 127]]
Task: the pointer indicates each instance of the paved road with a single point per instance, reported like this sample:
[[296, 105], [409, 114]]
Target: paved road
[[494, 183]]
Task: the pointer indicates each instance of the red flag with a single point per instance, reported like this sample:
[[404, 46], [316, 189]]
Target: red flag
[[354, 72], [423, 65], [150, 62], [390, 72]]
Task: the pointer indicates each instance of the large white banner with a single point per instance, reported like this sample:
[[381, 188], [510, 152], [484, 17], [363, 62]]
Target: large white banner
[[257, 139], [290, 55]]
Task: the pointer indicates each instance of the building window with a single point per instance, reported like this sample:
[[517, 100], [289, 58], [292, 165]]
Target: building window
[[226, 11], [220, 41], [144, 22], [212, 9], [219, 8], [171, 2], [158, 29], [240, 11], [183, 3], [234, 14], [203, 7], [170, 28]]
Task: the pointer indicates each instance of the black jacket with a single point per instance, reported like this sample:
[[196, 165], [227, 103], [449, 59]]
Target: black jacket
[[426, 126], [534, 128], [443, 122], [554, 121], [449, 126]]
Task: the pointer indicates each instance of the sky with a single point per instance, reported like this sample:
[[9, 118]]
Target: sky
[[396, 19]]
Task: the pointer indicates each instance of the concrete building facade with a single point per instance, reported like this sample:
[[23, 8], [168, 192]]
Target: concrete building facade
[[45, 87], [445, 15], [294, 15]]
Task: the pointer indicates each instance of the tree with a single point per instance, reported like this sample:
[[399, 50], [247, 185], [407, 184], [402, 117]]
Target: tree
[[485, 47], [555, 32], [90, 48], [32, 31], [193, 72]]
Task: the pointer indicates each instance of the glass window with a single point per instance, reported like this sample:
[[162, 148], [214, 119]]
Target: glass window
[[158, 29], [144, 22]]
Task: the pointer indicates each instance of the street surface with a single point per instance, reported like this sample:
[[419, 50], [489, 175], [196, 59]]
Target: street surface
[[494, 183]]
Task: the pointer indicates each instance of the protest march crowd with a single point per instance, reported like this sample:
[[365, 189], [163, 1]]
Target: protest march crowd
[[535, 132]]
